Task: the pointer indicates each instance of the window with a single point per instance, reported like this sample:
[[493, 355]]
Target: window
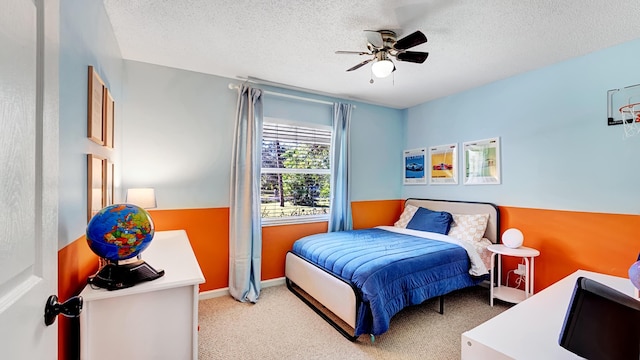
[[295, 176]]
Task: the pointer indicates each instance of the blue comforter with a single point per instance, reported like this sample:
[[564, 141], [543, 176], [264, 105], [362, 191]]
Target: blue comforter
[[391, 270]]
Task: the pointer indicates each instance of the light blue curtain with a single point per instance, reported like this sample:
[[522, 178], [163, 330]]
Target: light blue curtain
[[340, 215], [245, 228]]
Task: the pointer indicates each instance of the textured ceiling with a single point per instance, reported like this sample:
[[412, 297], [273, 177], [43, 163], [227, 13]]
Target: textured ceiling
[[470, 42]]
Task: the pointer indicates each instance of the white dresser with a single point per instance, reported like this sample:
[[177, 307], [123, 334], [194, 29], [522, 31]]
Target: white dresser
[[151, 320]]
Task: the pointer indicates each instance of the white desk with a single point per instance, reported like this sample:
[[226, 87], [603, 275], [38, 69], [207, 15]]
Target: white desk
[[530, 330], [151, 320]]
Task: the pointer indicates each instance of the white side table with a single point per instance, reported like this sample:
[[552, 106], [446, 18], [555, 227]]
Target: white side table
[[507, 293]]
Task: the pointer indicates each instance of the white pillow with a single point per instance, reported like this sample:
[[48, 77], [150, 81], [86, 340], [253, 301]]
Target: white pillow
[[406, 216], [468, 227]]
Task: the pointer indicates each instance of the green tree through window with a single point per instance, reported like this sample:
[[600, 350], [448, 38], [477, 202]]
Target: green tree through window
[[295, 170]]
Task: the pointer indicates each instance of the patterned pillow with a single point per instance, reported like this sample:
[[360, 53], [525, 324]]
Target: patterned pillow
[[469, 227], [406, 216]]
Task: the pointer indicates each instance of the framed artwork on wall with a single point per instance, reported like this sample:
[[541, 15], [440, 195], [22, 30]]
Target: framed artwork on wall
[[482, 162], [413, 171], [95, 116], [96, 174], [443, 164], [108, 114], [109, 182]]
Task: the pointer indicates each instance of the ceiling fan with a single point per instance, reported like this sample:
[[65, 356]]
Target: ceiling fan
[[383, 44]]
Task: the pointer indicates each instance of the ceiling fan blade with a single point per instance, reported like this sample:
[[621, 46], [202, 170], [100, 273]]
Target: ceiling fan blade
[[374, 38], [410, 41], [360, 65], [412, 56], [353, 52]]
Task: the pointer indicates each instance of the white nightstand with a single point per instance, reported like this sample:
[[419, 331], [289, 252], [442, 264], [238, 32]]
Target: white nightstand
[[507, 293]]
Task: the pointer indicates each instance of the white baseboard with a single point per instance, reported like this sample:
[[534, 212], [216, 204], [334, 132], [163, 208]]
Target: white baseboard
[[225, 291]]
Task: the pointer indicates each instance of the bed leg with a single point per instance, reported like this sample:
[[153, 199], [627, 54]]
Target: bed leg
[[441, 304], [373, 338]]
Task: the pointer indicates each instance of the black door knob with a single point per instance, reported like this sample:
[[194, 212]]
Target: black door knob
[[70, 308]]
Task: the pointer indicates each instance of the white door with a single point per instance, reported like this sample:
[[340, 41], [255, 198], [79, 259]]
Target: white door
[[28, 176]]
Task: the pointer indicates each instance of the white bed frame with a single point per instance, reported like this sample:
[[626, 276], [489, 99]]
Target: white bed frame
[[339, 296]]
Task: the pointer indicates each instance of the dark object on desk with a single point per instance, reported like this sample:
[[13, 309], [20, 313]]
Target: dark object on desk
[[601, 323], [113, 276]]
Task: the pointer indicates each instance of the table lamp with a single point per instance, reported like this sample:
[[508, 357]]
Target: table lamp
[[143, 197], [512, 238]]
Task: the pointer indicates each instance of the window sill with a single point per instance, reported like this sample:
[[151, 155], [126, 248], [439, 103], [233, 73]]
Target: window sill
[[293, 220]]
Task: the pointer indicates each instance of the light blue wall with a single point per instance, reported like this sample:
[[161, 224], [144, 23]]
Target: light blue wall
[[178, 136], [557, 151], [377, 135], [86, 38], [295, 110]]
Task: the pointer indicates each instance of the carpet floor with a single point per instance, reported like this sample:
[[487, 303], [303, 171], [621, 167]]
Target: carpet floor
[[280, 326]]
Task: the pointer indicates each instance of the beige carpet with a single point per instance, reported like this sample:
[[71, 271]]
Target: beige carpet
[[280, 326]]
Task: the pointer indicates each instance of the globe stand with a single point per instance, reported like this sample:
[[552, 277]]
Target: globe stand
[[123, 274]]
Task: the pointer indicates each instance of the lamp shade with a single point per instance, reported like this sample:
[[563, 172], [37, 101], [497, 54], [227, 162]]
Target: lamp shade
[[512, 238], [142, 197], [382, 68]]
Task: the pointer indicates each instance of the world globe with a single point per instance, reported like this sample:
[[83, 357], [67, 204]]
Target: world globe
[[120, 231]]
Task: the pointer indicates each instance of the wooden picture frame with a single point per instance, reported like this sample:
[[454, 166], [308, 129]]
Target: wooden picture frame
[[109, 182], [96, 174], [109, 113], [95, 107]]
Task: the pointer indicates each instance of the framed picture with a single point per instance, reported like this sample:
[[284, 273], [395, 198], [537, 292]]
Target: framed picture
[[96, 197], [109, 182], [95, 116], [108, 114], [414, 166], [482, 162], [443, 164]]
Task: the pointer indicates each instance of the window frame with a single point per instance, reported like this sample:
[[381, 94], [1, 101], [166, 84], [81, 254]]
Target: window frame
[[303, 219]]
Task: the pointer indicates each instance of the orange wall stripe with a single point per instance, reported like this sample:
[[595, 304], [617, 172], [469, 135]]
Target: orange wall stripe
[[208, 232], [568, 241], [277, 240], [367, 214]]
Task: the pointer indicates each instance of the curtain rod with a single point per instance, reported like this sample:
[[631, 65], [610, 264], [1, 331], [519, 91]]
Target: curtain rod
[[233, 86]]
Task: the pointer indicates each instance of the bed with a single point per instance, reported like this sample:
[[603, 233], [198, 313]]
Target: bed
[[358, 280]]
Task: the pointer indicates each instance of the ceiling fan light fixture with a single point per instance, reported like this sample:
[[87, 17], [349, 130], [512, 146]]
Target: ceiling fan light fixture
[[382, 68]]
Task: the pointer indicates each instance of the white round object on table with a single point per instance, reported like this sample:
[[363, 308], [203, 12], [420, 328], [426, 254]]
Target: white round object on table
[[512, 238]]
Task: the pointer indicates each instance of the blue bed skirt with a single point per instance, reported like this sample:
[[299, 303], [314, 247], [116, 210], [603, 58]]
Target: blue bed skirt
[[391, 270]]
